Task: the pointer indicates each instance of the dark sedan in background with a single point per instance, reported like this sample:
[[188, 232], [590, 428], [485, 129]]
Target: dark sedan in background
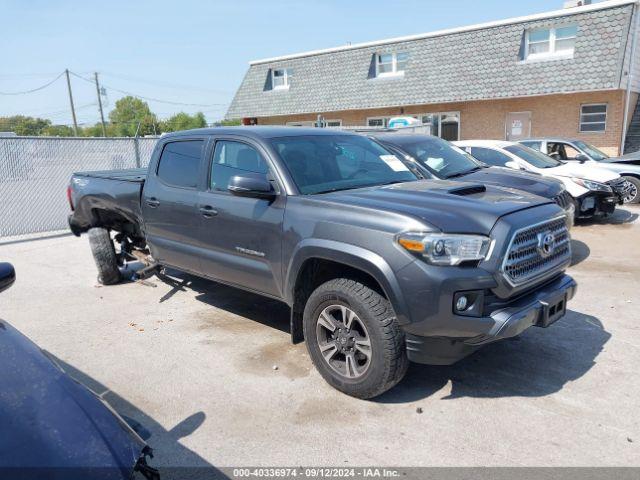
[[433, 157]]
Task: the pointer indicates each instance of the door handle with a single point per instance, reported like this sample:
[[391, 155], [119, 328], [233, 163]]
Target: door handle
[[153, 202], [208, 211]]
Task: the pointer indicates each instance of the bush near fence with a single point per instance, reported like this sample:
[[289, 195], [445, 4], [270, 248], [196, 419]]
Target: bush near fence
[[35, 172]]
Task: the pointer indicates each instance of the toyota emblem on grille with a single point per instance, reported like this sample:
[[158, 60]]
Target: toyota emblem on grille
[[546, 244]]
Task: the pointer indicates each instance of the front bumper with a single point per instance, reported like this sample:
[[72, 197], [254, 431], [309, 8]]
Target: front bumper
[[502, 319], [596, 203]]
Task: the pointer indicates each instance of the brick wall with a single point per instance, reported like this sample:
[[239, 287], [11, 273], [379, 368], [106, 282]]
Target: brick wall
[[551, 115]]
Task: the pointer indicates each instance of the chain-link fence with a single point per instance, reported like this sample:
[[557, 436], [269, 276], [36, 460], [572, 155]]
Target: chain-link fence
[[35, 173]]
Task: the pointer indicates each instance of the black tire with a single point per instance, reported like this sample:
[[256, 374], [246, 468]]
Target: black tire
[[636, 183], [388, 361], [104, 254]]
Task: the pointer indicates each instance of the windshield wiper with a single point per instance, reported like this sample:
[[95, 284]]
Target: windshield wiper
[[465, 172]]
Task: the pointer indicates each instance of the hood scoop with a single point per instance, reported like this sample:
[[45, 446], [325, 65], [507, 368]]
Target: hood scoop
[[467, 190]]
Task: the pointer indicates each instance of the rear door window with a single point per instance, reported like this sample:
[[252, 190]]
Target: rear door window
[[179, 163], [234, 158], [490, 157]]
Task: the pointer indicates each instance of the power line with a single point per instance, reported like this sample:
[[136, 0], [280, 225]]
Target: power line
[[164, 84], [52, 114], [34, 89], [151, 99], [60, 111], [6, 75]]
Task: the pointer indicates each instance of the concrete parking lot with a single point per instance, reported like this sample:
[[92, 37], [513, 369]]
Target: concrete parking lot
[[192, 363]]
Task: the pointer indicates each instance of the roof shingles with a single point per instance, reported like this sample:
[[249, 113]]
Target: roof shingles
[[462, 66]]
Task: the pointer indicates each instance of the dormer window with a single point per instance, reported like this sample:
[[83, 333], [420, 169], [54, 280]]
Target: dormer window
[[390, 64], [550, 42], [280, 78]]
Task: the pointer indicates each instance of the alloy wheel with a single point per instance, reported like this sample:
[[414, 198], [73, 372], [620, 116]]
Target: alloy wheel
[[344, 341], [631, 193]]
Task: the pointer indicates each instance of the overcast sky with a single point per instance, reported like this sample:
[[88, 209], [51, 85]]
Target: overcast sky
[[194, 52]]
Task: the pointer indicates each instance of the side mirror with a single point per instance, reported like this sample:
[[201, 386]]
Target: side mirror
[[254, 187], [581, 157], [514, 165], [7, 276]]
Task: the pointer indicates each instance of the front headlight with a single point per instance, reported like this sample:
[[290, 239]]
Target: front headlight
[[444, 249], [591, 185]]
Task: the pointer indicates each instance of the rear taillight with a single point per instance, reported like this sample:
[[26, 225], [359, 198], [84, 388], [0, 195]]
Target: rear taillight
[[69, 198]]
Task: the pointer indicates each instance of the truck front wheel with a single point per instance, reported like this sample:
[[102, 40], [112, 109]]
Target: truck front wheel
[[354, 339], [104, 254]]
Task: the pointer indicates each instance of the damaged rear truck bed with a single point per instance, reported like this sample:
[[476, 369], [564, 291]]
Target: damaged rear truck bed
[[379, 268]]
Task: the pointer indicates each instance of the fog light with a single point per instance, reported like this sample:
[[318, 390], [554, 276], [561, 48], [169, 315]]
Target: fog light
[[461, 303]]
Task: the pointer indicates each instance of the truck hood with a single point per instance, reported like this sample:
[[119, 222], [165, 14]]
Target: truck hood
[[452, 207], [580, 170], [506, 177]]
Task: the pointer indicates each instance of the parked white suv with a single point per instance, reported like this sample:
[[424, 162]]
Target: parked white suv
[[571, 150], [591, 187]]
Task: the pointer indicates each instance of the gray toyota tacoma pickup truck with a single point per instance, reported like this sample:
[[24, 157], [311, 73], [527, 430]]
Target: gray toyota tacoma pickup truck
[[379, 268]]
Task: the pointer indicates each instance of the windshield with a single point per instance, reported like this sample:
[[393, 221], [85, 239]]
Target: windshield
[[592, 151], [440, 157], [327, 163], [533, 157]]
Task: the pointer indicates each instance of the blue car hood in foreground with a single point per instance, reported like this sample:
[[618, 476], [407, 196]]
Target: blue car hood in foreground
[[52, 426]]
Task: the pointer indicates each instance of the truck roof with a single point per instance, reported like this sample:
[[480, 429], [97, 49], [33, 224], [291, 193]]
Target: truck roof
[[261, 131]]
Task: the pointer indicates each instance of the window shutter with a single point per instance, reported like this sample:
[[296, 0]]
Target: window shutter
[[372, 67], [522, 54], [267, 83]]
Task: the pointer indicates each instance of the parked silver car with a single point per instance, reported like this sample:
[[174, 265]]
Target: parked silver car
[[565, 149]]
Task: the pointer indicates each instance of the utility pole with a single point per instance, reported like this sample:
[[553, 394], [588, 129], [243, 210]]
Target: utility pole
[[73, 110], [104, 129]]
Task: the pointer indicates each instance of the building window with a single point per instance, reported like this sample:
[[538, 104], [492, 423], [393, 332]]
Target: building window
[[593, 117], [445, 125], [281, 78], [381, 122], [550, 42], [305, 123], [333, 123], [389, 64]]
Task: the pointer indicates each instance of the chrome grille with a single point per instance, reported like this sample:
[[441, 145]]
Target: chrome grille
[[527, 258]]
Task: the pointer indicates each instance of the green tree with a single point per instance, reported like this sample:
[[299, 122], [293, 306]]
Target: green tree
[[229, 123], [58, 131], [96, 130], [129, 112], [183, 121], [23, 125]]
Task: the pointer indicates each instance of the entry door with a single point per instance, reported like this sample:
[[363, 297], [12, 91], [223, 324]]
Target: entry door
[[242, 235], [518, 126], [170, 195]]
